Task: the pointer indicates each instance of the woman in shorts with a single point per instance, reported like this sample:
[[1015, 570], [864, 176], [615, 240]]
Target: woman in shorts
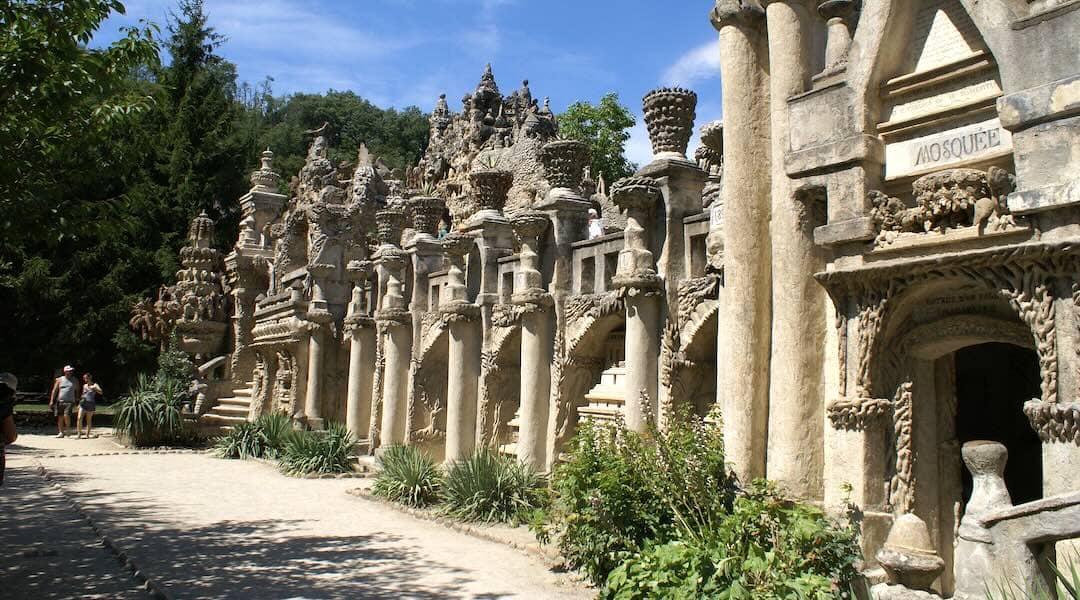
[[91, 393]]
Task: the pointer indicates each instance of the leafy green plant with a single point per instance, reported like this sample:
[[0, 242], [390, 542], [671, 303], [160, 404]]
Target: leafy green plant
[[246, 440], [278, 429], [330, 451], [151, 413], [490, 487], [408, 476], [765, 548], [619, 491]]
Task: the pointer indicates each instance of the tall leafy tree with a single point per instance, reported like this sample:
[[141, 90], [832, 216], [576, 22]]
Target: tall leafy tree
[[604, 127]]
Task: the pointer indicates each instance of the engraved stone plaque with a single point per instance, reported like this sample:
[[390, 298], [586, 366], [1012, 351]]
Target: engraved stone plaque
[[977, 141]]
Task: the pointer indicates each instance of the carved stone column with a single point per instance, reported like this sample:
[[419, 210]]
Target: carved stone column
[[745, 317], [638, 281], [836, 13], [796, 377], [393, 319], [537, 331], [463, 360], [360, 327], [319, 318]]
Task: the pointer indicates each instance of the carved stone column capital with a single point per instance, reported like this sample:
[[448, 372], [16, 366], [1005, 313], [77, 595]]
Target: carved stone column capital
[[669, 117], [735, 12], [1054, 422], [635, 193], [530, 224], [457, 245], [491, 187]]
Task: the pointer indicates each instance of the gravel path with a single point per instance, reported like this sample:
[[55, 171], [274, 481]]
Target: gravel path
[[201, 527]]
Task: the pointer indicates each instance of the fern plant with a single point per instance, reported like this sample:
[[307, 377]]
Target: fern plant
[[407, 476]]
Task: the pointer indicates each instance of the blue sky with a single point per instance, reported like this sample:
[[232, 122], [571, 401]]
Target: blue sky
[[406, 52]]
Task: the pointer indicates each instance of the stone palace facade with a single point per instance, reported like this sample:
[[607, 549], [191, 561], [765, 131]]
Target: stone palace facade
[[872, 269]]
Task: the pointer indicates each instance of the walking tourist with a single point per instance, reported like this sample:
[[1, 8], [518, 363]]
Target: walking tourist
[[596, 224], [91, 393], [8, 386], [66, 390]]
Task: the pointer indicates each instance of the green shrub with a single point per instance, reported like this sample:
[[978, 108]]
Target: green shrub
[[246, 440], [151, 413], [619, 490], [330, 451], [489, 487], [766, 548], [278, 429], [407, 476]]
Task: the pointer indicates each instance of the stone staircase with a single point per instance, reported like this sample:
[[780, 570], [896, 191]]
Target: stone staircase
[[229, 411]]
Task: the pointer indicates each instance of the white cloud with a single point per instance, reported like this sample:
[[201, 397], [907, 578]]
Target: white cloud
[[700, 64], [638, 148]]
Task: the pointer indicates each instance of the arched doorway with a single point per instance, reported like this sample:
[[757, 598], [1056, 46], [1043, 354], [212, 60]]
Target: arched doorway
[[993, 381]]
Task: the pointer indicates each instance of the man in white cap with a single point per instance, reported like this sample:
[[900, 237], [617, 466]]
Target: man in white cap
[[8, 386], [65, 393]]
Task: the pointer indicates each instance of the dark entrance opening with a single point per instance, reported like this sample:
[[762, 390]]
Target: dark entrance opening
[[992, 383]]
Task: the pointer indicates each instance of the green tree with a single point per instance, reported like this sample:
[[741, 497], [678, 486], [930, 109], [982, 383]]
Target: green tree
[[59, 97], [604, 127]]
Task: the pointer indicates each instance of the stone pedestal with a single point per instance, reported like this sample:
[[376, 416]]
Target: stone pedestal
[[745, 319]]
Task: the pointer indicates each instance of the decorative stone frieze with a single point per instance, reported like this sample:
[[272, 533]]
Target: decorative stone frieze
[[669, 117], [1054, 422], [564, 163], [858, 414]]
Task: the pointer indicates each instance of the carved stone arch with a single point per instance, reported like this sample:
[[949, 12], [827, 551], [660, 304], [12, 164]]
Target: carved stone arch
[[580, 357], [498, 386]]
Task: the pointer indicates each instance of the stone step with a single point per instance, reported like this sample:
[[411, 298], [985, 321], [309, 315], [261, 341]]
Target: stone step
[[211, 418], [605, 397], [242, 393], [244, 402], [229, 410]]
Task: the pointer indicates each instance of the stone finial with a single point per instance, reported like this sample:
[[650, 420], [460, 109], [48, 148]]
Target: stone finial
[[491, 187], [632, 193], [836, 13], [265, 176], [389, 224], [908, 556], [201, 231], [426, 212], [733, 12], [669, 117], [564, 163]]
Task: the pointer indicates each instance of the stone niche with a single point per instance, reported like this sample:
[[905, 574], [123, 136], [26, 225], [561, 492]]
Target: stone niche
[[938, 110]]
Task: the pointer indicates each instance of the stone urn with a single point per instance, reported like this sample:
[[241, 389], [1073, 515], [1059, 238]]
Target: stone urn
[[564, 163], [908, 557], [491, 187], [426, 212], [669, 117], [986, 462], [389, 225]]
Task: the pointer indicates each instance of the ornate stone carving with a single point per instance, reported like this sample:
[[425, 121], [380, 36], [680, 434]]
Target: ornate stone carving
[[693, 292], [946, 200], [377, 392], [636, 273], [669, 117], [735, 12], [710, 157], [491, 187], [265, 177], [1054, 422], [426, 213], [201, 322], [858, 414], [564, 163], [902, 483], [389, 224]]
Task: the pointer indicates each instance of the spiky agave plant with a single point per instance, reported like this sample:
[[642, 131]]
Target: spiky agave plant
[[407, 476], [489, 487], [278, 428], [246, 440]]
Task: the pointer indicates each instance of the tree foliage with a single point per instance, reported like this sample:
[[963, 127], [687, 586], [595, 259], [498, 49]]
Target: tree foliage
[[603, 127]]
